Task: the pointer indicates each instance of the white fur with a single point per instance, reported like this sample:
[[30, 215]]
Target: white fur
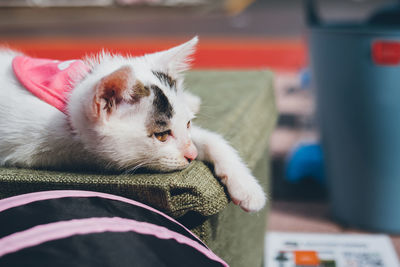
[[37, 135], [242, 186]]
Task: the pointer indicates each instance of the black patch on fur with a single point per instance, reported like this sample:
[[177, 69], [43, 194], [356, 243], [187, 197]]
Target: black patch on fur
[[165, 79], [159, 118], [162, 107], [161, 123]]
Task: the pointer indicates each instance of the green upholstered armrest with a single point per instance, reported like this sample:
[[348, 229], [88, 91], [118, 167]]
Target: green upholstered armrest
[[193, 189]]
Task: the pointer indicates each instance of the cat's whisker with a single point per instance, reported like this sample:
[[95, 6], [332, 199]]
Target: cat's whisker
[[139, 164], [206, 113], [135, 168]]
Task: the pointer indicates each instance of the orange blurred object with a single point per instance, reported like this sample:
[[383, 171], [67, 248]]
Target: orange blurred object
[[226, 53], [306, 258]]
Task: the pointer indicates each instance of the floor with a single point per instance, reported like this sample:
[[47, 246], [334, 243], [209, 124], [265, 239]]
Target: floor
[[290, 216]]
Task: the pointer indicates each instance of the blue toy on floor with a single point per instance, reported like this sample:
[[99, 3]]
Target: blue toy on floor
[[306, 161]]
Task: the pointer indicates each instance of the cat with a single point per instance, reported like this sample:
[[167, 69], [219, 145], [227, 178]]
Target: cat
[[121, 113]]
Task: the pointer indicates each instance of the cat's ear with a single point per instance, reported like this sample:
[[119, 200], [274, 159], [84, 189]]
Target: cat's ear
[[176, 59], [117, 87]]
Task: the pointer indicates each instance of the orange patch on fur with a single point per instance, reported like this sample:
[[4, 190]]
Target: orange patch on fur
[[111, 88], [116, 87], [113, 85], [139, 91]]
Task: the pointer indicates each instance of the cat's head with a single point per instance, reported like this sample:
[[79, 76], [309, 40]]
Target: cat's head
[[133, 111]]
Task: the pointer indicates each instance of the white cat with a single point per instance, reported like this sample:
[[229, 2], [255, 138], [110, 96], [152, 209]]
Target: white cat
[[122, 113]]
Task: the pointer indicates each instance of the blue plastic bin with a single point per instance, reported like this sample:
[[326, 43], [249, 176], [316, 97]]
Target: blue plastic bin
[[356, 69]]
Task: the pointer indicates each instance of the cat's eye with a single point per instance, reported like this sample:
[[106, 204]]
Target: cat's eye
[[163, 136], [188, 124]]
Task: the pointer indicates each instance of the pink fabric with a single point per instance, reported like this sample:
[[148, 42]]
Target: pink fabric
[[53, 231], [24, 199], [50, 80]]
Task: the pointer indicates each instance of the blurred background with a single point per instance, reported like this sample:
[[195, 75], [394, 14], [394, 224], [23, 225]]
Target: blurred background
[[234, 34]]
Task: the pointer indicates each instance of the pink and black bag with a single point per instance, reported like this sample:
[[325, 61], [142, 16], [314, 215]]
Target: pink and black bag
[[82, 228]]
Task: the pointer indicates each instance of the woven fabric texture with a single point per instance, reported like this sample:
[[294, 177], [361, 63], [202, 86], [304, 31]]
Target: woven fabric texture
[[241, 107], [236, 104]]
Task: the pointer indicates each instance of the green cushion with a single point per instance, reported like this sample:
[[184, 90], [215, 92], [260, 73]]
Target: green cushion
[[237, 104]]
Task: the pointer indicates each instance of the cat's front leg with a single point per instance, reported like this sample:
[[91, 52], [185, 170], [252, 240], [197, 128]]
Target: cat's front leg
[[242, 186]]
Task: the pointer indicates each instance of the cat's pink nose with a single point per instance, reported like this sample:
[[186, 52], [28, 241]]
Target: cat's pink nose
[[190, 153]]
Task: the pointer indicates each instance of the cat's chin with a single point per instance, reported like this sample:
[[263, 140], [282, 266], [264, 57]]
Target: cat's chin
[[166, 168], [154, 167]]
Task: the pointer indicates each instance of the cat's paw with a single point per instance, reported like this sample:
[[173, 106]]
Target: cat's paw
[[243, 189], [250, 197]]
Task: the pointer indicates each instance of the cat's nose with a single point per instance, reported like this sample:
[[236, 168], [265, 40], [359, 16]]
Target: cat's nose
[[190, 153], [189, 159]]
